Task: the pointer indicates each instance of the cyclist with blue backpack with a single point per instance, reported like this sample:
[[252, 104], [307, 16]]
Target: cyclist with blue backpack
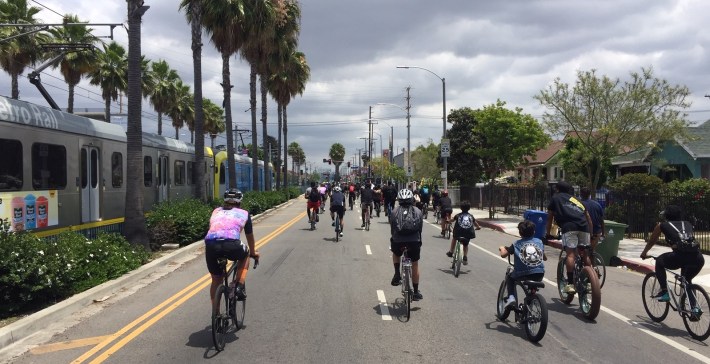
[[406, 228]]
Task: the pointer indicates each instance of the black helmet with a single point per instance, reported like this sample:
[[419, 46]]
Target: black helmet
[[233, 195]]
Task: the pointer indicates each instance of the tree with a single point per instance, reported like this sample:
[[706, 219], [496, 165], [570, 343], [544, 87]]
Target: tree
[[164, 92], [111, 75], [388, 171], [182, 107], [214, 119], [503, 137], [74, 65], [193, 13], [578, 164], [337, 153], [134, 226], [298, 157], [464, 165], [610, 117], [18, 53], [426, 162]]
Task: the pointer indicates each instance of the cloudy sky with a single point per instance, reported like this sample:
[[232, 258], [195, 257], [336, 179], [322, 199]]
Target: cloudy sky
[[485, 50]]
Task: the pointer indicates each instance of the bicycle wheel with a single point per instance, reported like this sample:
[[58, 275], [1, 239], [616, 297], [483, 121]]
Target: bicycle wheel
[[536, 320], [448, 231], [697, 323], [220, 318], [600, 268], [590, 295], [501, 312], [337, 228], [656, 310], [436, 217], [562, 279], [458, 256], [406, 292]]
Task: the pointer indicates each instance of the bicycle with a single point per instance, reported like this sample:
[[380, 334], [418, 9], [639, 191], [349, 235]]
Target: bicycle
[[377, 208], [532, 312], [366, 220], [586, 284], [437, 215], [597, 265], [314, 218], [337, 227], [405, 268], [695, 319], [234, 309], [457, 258], [425, 210]]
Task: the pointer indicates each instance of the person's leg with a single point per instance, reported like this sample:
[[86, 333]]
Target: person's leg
[[451, 248]]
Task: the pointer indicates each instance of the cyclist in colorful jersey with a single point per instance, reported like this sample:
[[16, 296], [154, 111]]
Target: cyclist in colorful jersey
[[224, 240]]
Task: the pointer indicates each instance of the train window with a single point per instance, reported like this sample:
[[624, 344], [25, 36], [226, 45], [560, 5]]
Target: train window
[[179, 173], [190, 167], [10, 165], [116, 169], [222, 172], [49, 166], [147, 171]]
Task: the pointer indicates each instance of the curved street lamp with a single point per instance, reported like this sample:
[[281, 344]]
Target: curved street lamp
[[443, 89]]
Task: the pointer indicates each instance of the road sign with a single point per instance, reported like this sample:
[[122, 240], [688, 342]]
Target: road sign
[[409, 171], [445, 148], [443, 175]]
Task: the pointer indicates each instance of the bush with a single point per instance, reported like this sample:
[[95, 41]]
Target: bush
[[638, 183], [37, 272], [189, 220]]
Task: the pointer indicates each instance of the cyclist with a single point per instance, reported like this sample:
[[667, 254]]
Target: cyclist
[[390, 195], [596, 213], [571, 216], [413, 241], [337, 205], [377, 192], [529, 252], [447, 208], [224, 240], [464, 227], [323, 190], [367, 196], [425, 196], [685, 254], [313, 203], [351, 194], [436, 196]]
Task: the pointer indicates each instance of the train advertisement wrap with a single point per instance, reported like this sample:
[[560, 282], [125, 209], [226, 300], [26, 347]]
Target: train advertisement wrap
[[29, 210]]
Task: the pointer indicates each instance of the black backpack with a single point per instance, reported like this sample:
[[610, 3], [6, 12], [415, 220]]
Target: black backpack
[[464, 226], [405, 221], [314, 196], [685, 241]]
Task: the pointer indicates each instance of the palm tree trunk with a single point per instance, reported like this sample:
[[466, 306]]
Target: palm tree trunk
[[160, 123], [227, 93], [267, 148], [15, 87], [70, 106], [134, 226], [279, 110], [107, 109], [285, 160], [254, 139], [198, 171], [177, 133]]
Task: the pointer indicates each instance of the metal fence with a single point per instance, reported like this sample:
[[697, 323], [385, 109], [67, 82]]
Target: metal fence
[[639, 211]]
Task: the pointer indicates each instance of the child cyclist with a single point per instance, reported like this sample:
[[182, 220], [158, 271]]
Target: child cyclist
[[464, 225], [529, 253]]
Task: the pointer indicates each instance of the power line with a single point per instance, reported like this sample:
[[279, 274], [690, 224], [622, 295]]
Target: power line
[[46, 7]]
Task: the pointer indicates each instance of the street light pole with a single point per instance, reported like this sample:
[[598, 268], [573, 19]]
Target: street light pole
[[443, 89]]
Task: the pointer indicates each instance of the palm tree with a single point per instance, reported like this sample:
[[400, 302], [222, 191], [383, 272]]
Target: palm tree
[[164, 92], [214, 119], [182, 108], [337, 153], [74, 65], [193, 13], [111, 74], [223, 20], [21, 52], [134, 226]]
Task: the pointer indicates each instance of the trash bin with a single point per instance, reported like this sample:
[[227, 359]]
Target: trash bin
[[540, 219], [609, 247]]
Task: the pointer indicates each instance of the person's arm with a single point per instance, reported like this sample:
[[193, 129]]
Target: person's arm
[[590, 227], [252, 247], [504, 251], [652, 240], [550, 218]]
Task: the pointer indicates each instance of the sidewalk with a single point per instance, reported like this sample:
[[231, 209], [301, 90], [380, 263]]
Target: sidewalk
[[629, 249]]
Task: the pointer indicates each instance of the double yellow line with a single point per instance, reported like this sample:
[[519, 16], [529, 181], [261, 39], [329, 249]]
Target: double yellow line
[[164, 308]]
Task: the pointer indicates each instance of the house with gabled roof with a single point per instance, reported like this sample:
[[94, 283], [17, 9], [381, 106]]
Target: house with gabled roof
[[545, 165]]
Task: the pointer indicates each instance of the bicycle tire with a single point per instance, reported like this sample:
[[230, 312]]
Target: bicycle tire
[[650, 288], [536, 317], [337, 228], [699, 329], [239, 314], [220, 318], [448, 230], [437, 217], [501, 312], [589, 300], [600, 268], [562, 280], [457, 259], [406, 292]]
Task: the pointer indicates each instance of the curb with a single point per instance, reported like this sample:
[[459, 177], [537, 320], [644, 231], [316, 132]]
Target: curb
[[630, 264], [26, 327]]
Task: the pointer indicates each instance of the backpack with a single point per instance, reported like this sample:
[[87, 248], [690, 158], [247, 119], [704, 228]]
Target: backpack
[[425, 191], [405, 221], [686, 242], [351, 188], [314, 196], [464, 226]]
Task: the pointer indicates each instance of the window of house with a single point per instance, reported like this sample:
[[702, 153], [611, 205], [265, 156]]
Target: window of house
[[49, 166], [116, 169], [10, 165], [147, 171], [179, 173]]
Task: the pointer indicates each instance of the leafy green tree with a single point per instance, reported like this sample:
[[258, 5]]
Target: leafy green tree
[[610, 116], [337, 153], [110, 74], [578, 164], [298, 157], [164, 92], [182, 108], [425, 159], [214, 119], [464, 164]]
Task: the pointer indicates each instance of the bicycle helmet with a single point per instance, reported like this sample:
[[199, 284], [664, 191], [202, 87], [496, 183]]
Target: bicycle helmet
[[336, 189], [445, 193], [233, 195], [405, 195]]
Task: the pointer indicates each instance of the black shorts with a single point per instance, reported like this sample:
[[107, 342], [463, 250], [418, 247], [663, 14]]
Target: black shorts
[[230, 249], [464, 241], [414, 249], [340, 210]]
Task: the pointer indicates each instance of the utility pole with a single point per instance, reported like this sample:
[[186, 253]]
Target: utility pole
[[369, 145], [409, 165]]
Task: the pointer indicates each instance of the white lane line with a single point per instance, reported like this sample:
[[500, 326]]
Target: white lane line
[[623, 318], [369, 251], [384, 310]]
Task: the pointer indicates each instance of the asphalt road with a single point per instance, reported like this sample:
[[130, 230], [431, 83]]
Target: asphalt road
[[314, 300]]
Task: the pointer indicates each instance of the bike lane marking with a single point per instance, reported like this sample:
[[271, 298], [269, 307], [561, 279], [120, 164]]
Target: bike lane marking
[[384, 309], [368, 250], [171, 303], [635, 324]]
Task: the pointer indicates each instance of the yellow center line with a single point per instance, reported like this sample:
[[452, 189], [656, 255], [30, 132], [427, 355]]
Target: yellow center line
[[201, 283], [65, 345]]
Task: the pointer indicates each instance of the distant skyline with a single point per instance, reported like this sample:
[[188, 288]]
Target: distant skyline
[[486, 50]]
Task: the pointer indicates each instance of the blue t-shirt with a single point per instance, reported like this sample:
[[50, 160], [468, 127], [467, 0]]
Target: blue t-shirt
[[596, 213], [528, 257]]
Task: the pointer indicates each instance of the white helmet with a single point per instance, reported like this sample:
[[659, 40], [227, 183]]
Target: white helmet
[[336, 189], [405, 195]]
